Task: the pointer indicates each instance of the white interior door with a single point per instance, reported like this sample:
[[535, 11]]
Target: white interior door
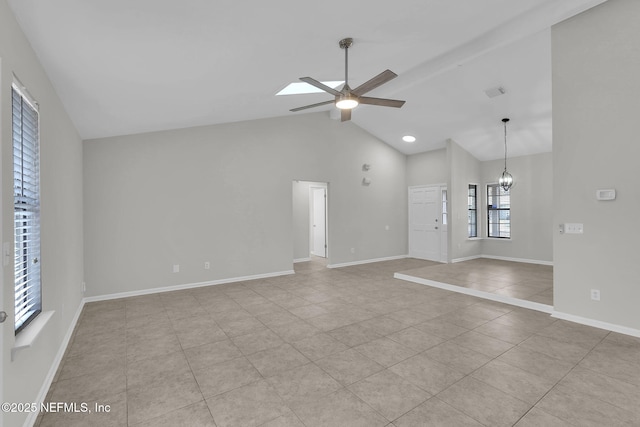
[[319, 222], [424, 223]]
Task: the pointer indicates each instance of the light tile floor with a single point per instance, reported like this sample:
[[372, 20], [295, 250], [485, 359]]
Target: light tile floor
[[341, 347], [530, 282]]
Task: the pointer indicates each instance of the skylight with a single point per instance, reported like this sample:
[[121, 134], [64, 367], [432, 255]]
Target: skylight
[[299, 88]]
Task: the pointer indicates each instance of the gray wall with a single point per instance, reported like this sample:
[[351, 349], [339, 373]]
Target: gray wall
[[464, 170], [223, 194], [532, 208], [596, 106], [61, 218], [427, 168]]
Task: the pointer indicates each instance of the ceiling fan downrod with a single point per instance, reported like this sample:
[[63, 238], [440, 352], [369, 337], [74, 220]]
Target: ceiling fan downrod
[[346, 44]]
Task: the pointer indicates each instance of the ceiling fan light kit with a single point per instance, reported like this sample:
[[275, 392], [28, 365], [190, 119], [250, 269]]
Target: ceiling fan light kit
[[347, 98], [347, 102]]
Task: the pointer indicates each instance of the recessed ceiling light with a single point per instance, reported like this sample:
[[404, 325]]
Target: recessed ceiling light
[[409, 138], [298, 88]]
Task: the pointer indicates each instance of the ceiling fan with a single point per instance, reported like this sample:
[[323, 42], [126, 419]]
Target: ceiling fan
[[347, 98]]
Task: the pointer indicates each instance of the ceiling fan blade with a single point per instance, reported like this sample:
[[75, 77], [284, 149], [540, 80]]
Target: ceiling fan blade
[[381, 102], [319, 85], [373, 83], [345, 115], [312, 105]]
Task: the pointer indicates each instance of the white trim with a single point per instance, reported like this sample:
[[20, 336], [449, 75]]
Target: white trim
[[28, 335], [22, 90], [476, 293], [468, 258], [427, 185], [42, 395], [503, 258], [367, 261], [596, 323], [297, 260], [528, 261], [185, 286]]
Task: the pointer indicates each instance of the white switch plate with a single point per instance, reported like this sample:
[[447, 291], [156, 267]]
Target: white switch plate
[[608, 194], [595, 294], [573, 228], [176, 268]]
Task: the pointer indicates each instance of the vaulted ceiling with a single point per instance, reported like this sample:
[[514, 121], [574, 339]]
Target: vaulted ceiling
[[124, 67]]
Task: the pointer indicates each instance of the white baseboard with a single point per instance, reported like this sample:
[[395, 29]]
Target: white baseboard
[[185, 286], [366, 261], [42, 394], [297, 260], [468, 258], [525, 260], [476, 293], [503, 258], [596, 323]]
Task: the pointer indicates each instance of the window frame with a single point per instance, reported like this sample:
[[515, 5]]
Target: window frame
[[26, 228], [499, 210], [473, 222]]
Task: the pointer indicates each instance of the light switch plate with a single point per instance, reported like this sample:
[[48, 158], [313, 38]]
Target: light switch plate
[[606, 194], [573, 228]]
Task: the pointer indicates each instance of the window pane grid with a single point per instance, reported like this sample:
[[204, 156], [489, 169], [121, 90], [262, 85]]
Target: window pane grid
[[498, 212], [472, 210]]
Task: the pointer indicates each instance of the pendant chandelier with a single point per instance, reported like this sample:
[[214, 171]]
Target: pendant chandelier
[[506, 180]]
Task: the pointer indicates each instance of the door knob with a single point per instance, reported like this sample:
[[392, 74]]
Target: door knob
[[3, 316], [436, 227]]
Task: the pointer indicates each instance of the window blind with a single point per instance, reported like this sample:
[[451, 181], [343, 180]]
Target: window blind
[[26, 203]]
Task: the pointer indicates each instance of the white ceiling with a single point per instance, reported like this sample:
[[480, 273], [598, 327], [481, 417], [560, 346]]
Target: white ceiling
[[123, 67]]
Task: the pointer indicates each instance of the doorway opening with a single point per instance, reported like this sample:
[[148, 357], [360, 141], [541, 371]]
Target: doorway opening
[[310, 221]]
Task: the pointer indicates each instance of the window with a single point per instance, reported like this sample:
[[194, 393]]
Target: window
[[498, 212], [444, 207], [26, 204], [472, 209]]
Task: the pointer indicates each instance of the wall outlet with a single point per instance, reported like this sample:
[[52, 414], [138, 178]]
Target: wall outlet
[[353, 250], [176, 268], [595, 294], [207, 265]]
